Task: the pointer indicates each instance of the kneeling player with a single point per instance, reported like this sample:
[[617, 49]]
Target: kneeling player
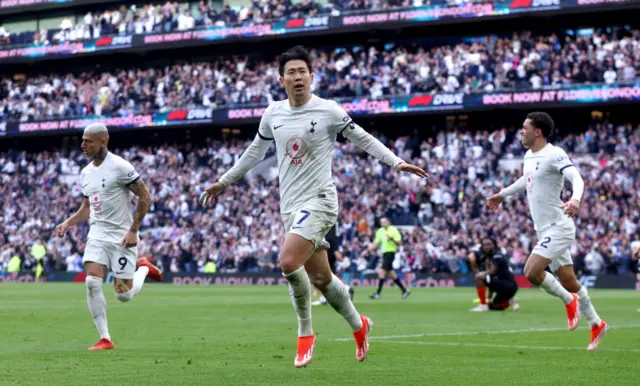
[[498, 279]]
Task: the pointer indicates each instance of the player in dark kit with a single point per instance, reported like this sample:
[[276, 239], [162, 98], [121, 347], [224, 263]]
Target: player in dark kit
[[498, 279], [333, 238]]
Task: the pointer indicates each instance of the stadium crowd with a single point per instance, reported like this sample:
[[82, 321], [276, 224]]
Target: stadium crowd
[[159, 17], [522, 61], [242, 232]]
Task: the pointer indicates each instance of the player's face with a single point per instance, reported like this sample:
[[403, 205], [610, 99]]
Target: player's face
[[296, 79], [528, 133], [487, 246], [384, 222], [91, 144]]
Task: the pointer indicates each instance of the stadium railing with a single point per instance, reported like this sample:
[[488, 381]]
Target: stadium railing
[[433, 103]]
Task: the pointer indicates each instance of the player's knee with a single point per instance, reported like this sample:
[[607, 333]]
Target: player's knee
[[93, 283], [288, 263], [124, 296], [534, 276], [320, 280]]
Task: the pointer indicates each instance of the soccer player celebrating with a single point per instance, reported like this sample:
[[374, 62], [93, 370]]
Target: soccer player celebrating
[[107, 183], [498, 279], [545, 168], [388, 237], [304, 128]]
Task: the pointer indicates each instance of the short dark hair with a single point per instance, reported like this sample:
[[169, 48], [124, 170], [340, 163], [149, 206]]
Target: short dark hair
[[542, 121], [295, 53]]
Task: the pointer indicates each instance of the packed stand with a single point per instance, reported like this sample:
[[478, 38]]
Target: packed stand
[[443, 216], [523, 61], [170, 17]]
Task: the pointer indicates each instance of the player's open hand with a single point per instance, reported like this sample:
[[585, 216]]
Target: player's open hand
[[210, 193], [571, 208], [405, 167], [130, 240], [61, 229], [494, 201]]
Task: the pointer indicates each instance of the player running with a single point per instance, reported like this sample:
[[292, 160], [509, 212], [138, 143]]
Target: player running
[[498, 279], [388, 238], [107, 183], [304, 128], [545, 169]]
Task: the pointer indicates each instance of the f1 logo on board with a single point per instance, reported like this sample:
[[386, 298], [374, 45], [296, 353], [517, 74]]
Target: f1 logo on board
[[534, 3], [114, 41], [320, 21], [181, 115], [437, 100]]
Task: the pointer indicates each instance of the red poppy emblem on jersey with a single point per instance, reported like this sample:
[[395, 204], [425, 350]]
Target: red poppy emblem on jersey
[[296, 148], [529, 182]]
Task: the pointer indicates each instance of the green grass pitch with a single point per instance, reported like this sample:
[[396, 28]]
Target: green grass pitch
[[189, 335]]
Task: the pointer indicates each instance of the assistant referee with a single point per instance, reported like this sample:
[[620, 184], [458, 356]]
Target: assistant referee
[[388, 238]]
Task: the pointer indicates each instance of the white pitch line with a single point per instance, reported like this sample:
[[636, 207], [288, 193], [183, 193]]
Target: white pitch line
[[507, 346], [461, 333]]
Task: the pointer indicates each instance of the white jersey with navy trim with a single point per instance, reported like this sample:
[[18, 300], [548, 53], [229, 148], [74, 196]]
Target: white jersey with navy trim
[[544, 181], [107, 188], [304, 137]]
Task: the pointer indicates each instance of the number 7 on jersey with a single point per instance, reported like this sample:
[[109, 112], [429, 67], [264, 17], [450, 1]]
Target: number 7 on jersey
[[306, 214]]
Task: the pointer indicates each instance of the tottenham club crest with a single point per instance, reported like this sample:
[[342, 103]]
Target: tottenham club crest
[[296, 149]]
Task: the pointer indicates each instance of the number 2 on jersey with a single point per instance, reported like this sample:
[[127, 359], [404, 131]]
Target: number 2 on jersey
[[544, 242]]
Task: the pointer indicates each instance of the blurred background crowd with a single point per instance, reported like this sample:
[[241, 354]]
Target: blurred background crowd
[[521, 61], [442, 217]]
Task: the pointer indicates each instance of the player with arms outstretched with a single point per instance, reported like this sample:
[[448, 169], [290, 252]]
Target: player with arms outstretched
[[545, 169], [304, 128], [107, 184]]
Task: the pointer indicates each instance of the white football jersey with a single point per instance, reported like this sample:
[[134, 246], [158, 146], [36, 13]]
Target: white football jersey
[[304, 138], [106, 187], [544, 184]]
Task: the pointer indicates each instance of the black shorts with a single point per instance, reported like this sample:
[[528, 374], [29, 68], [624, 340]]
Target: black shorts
[[504, 290], [387, 260], [334, 245]]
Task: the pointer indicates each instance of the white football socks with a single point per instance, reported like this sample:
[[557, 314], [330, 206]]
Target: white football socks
[[97, 305], [337, 296], [300, 291], [138, 278], [553, 287], [586, 308]]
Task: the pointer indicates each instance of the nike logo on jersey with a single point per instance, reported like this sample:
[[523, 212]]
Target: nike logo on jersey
[[277, 127], [85, 185]]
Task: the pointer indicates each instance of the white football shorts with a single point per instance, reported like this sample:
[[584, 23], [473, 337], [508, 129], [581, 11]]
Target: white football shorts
[[313, 220], [554, 243], [122, 261]]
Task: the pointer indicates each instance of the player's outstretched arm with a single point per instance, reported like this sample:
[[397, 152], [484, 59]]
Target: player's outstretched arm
[[371, 145], [572, 207], [249, 159], [494, 201], [80, 216], [144, 202]]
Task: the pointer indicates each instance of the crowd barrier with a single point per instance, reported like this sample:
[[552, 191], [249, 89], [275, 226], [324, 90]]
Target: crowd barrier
[[271, 279], [422, 104]]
